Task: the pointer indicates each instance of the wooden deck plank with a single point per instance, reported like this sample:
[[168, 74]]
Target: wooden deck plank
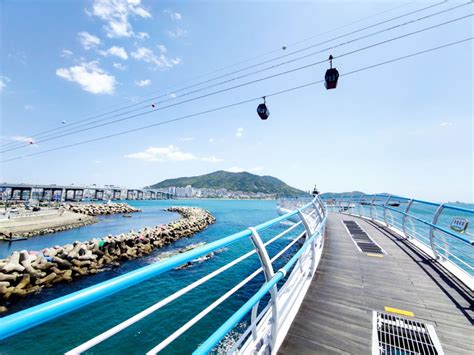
[[336, 314]]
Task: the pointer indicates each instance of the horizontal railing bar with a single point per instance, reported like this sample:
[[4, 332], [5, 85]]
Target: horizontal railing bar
[[216, 303], [444, 230], [281, 252], [44, 312], [139, 316], [202, 314], [395, 197], [454, 256], [248, 330], [209, 344]]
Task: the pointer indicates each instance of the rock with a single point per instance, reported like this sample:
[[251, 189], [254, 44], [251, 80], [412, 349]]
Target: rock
[[25, 272], [13, 263]]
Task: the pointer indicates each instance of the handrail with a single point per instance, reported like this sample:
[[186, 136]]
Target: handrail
[[225, 328], [453, 258], [448, 206], [28, 318]]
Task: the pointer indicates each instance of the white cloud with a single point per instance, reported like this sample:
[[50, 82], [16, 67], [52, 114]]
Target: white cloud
[[173, 95], [116, 15], [237, 169], [175, 16], [170, 153], [87, 40], [148, 56], [29, 107], [90, 77], [234, 169], [3, 82], [115, 51], [239, 133], [22, 139], [66, 53], [256, 169], [119, 66], [145, 82], [211, 159], [187, 139], [446, 124], [177, 33], [162, 48], [142, 35], [211, 140]]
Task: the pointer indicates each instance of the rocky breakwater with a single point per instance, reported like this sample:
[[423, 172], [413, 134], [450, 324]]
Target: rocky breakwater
[[95, 209], [27, 272]]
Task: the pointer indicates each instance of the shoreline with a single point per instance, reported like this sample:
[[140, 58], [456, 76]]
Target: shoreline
[[44, 224], [27, 272], [68, 217]]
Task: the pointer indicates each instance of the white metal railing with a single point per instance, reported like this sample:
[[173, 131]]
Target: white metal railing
[[266, 329], [425, 224]]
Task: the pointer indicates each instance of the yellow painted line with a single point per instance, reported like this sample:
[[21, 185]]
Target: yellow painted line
[[375, 255], [399, 311]]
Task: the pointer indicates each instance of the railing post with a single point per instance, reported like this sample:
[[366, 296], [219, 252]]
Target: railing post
[[404, 218], [269, 273], [361, 206], [385, 209], [349, 204], [372, 207], [432, 231], [309, 233]]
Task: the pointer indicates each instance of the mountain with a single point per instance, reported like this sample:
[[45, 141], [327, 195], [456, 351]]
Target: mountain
[[243, 181]]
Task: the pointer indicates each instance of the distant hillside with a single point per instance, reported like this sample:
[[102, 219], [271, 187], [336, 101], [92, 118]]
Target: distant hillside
[[234, 181]]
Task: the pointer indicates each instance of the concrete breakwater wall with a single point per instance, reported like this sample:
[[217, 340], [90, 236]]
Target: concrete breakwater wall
[[24, 272], [63, 226], [94, 209]]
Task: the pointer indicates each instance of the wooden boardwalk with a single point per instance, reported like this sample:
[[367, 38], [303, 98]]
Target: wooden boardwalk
[[336, 314]]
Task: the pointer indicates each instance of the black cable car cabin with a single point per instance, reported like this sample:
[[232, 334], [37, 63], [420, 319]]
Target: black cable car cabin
[[263, 110], [331, 77]]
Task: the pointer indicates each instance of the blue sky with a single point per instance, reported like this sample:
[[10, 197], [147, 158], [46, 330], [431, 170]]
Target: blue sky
[[404, 128]]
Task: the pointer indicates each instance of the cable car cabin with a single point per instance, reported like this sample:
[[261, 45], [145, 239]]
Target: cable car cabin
[[263, 111], [331, 77]]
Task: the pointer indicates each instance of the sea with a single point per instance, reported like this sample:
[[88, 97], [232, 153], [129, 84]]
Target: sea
[[63, 334]]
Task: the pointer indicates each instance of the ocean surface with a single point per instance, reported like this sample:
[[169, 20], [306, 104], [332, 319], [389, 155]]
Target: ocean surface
[[65, 333]]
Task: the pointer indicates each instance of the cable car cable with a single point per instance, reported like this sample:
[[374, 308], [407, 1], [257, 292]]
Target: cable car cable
[[265, 62], [76, 130], [249, 82], [167, 90], [239, 103]]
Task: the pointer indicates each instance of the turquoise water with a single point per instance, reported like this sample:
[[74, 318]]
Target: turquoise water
[[69, 331], [152, 215]]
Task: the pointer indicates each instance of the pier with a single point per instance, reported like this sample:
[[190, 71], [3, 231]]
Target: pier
[[24, 192], [336, 315]]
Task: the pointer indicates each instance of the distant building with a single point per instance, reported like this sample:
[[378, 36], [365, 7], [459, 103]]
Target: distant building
[[189, 192]]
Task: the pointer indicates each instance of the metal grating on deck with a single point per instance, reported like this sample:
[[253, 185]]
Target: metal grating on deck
[[361, 239], [397, 335]]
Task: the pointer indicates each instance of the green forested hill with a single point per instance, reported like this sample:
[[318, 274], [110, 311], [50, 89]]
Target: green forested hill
[[234, 181]]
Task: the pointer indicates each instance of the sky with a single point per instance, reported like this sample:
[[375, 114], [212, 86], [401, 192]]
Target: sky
[[404, 128]]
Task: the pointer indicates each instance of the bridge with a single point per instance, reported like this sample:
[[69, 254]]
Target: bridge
[[361, 274], [24, 192]]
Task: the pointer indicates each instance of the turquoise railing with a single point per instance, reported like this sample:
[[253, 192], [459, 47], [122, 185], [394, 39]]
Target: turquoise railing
[[266, 329]]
